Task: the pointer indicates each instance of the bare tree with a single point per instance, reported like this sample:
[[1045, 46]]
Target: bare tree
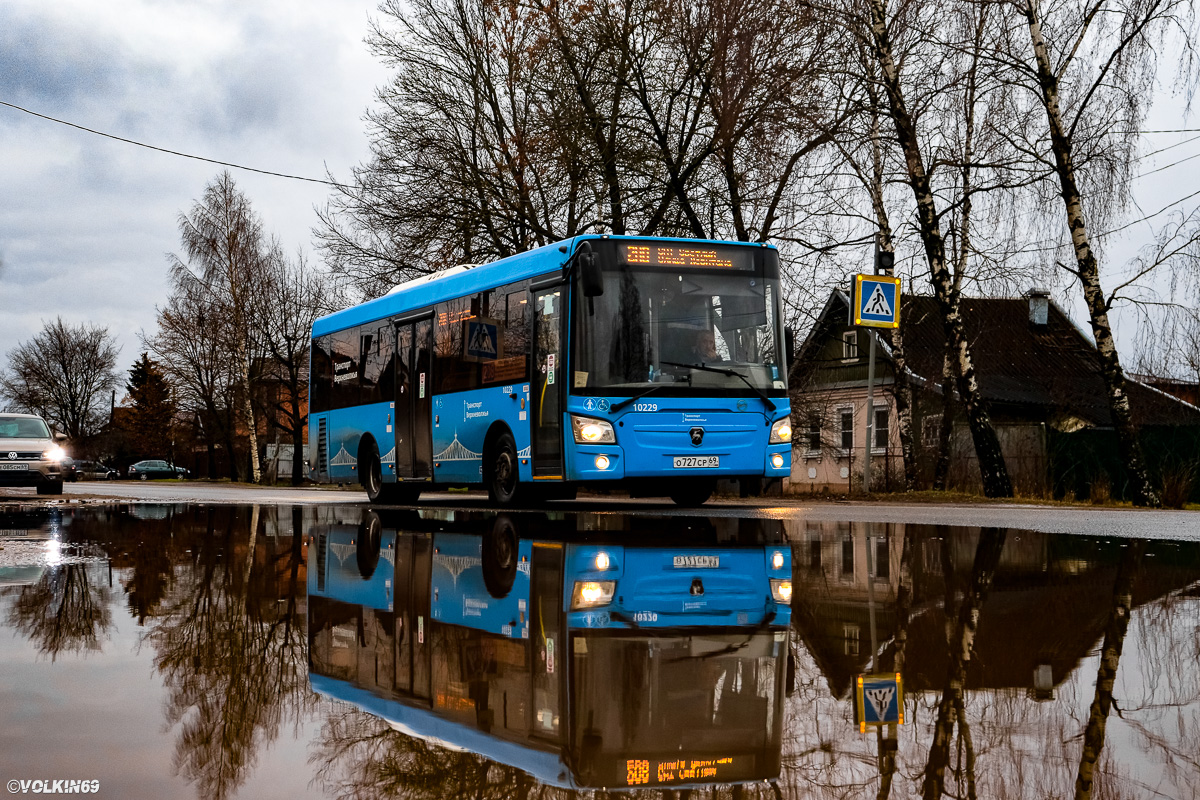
[[226, 253], [64, 373], [293, 296]]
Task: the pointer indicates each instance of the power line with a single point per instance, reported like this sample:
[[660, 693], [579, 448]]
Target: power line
[[170, 152]]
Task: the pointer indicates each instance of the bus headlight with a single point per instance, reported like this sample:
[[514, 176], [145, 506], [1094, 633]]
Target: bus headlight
[[781, 431], [592, 431], [589, 594], [781, 590]]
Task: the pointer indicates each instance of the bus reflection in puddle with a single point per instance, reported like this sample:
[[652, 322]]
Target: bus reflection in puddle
[[635, 656]]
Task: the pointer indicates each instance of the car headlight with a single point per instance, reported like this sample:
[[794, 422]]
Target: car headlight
[[590, 594], [55, 453], [592, 431], [781, 431], [781, 590]]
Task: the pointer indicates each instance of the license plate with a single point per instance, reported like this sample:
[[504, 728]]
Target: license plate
[[696, 562], [13, 467], [691, 462]]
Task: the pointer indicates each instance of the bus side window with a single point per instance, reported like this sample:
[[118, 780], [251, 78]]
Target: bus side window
[[345, 355], [516, 328], [378, 372], [454, 373], [322, 375]]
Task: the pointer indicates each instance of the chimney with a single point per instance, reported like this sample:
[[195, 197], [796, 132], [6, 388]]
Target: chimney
[[1039, 306]]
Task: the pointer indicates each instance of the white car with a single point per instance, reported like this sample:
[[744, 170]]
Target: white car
[[30, 455]]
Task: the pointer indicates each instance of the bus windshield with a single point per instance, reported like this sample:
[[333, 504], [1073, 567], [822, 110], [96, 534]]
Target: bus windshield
[[690, 324], [674, 701]]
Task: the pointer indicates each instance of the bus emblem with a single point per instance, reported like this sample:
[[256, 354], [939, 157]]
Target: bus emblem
[[741, 405], [697, 435]]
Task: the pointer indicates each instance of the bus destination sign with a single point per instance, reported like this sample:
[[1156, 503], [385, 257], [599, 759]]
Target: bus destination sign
[[685, 256], [653, 772]]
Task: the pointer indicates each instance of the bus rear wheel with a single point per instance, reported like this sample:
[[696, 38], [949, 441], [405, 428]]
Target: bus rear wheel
[[371, 475], [503, 478], [691, 494]]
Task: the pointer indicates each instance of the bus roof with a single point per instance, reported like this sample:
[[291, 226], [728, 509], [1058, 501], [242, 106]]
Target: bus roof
[[459, 282]]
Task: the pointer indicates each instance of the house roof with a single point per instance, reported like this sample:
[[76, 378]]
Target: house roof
[[1054, 366]]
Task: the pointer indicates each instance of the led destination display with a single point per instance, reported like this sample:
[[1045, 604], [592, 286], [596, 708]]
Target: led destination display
[[655, 772], [685, 256]]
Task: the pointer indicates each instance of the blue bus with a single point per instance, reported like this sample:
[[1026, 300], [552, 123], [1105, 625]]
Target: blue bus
[[578, 658], [650, 365]]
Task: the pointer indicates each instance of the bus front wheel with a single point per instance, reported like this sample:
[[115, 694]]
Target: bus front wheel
[[371, 475], [503, 475]]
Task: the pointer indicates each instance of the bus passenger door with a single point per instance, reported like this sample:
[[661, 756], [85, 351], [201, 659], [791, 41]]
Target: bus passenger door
[[413, 403], [548, 377]]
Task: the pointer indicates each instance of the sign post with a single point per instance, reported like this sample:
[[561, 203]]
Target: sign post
[[875, 304]]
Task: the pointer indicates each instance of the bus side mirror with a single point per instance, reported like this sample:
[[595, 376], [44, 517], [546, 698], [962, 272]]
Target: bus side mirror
[[589, 273]]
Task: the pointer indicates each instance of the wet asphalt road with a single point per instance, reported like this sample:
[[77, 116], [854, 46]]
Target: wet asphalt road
[[1179, 525]]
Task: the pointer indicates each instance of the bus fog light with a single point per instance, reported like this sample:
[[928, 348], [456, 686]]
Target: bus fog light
[[777, 460], [602, 462], [602, 560], [777, 560], [589, 594], [781, 590]]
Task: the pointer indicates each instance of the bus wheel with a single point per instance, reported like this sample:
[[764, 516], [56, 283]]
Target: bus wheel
[[372, 474], [500, 557], [502, 476], [367, 544], [692, 493]]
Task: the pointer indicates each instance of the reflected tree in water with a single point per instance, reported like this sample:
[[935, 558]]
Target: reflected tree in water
[[231, 650], [63, 612]]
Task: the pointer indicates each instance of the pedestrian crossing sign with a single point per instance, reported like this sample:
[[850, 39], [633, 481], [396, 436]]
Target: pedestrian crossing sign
[[878, 700], [877, 301]]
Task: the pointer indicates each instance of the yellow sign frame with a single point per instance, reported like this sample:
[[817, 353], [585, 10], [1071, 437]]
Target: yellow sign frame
[[856, 301]]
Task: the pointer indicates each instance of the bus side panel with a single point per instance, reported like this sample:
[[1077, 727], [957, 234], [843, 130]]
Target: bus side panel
[[461, 422], [460, 593], [346, 427]]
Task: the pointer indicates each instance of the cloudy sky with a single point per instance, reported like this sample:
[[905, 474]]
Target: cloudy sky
[[86, 222]]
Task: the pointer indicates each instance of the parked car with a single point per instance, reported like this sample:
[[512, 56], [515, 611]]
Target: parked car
[[94, 471], [152, 468], [70, 470], [29, 454]]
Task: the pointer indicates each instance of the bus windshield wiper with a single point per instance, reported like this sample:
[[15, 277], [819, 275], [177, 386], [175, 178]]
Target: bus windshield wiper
[[618, 406], [731, 372]]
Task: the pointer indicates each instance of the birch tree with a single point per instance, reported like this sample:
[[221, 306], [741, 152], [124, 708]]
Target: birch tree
[[226, 254]]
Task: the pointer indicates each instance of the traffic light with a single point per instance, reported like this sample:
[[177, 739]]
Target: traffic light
[[885, 262]]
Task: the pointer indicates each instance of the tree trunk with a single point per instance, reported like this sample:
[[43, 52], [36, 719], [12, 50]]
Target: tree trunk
[[1110, 659], [993, 472], [987, 556], [1088, 270], [941, 469]]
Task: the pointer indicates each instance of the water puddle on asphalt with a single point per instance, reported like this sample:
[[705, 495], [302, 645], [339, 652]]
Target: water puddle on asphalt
[[151, 651]]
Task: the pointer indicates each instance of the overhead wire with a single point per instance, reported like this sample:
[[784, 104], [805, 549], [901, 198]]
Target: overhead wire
[[168, 151]]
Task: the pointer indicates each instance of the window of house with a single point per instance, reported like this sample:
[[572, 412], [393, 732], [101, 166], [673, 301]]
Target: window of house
[[814, 554], [847, 556], [850, 639], [812, 437], [882, 565], [881, 428], [931, 428], [847, 423], [849, 345]]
